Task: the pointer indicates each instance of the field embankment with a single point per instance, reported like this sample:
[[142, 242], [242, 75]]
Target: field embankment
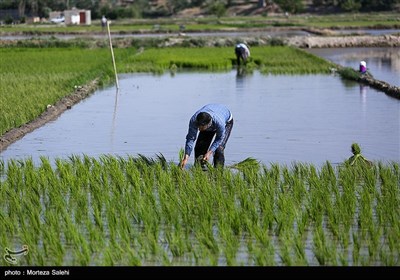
[[51, 113], [344, 41]]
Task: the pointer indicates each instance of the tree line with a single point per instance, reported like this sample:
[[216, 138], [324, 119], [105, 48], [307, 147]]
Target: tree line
[[114, 9]]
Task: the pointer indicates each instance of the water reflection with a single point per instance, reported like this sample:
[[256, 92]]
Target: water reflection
[[373, 32], [279, 119], [382, 63]]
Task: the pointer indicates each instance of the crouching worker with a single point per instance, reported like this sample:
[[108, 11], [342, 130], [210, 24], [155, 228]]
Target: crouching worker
[[363, 67], [210, 120], [242, 52]]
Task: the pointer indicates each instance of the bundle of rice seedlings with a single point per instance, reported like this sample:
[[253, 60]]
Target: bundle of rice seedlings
[[248, 163], [357, 157], [181, 154]]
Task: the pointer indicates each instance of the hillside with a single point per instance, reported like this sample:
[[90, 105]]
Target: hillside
[[245, 9], [236, 8]]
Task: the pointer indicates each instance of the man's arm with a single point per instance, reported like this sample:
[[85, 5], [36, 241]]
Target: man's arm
[[190, 138], [219, 136]]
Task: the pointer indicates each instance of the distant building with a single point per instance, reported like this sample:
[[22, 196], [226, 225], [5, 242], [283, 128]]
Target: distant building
[[74, 16]]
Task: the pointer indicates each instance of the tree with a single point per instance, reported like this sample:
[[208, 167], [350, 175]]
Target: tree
[[177, 5], [34, 7], [350, 5], [379, 5], [291, 6], [217, 8], [21, 8]]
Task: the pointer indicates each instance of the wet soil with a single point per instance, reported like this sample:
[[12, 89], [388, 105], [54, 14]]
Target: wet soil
[[390, 90]]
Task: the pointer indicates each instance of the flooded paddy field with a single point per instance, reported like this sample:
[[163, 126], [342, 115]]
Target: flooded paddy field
[[278, 119], [382, 63]]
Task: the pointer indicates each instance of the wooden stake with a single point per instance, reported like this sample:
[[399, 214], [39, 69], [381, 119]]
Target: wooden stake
[[112, 54]]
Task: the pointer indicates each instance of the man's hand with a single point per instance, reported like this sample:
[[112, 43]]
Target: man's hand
[[184, 161], [207, 155]]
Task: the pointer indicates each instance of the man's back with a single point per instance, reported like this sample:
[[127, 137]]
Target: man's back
[[242, 52]]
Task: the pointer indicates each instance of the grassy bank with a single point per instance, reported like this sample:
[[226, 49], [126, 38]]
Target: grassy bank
[[33, 78]]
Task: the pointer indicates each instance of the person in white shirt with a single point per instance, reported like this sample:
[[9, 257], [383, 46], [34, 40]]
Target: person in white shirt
[[363, 67], [103, 22], [242, 52]]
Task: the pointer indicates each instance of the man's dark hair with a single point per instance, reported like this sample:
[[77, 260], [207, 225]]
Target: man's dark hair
[[203, 118]]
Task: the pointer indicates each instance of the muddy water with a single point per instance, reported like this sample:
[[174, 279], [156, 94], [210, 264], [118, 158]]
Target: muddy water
[[278, 119]]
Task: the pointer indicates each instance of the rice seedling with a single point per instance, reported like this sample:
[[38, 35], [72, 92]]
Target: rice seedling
[[300, 250], [231, 240], [143, 211], [33, 79], [260, 246], [285, 249], [320, 248]]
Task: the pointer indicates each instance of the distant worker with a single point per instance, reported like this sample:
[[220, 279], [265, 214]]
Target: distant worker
[[211, 120], [363, 67], [242, 52], [103, 22]]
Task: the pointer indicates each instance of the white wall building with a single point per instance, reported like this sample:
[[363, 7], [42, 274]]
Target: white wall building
[[74, 16]]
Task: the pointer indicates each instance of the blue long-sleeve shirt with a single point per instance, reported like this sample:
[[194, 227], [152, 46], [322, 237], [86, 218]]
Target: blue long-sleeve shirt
[[220, 115]]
